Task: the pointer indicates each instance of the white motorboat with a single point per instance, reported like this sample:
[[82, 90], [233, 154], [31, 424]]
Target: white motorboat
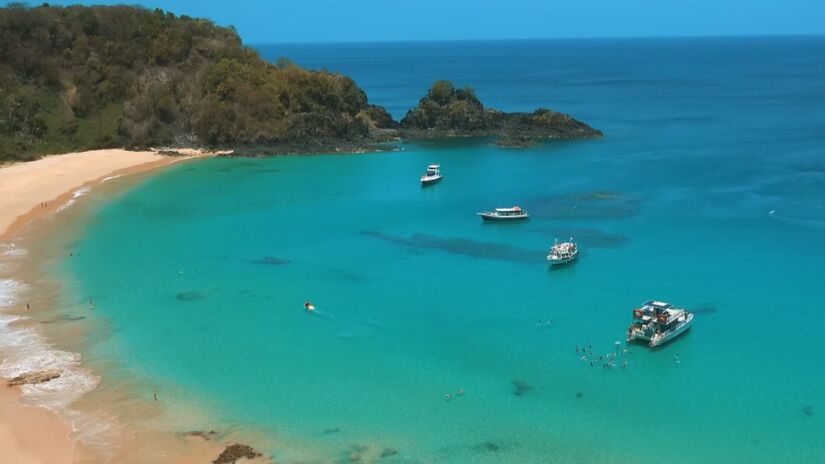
[[432, 176], [563, 253], [505, 214]]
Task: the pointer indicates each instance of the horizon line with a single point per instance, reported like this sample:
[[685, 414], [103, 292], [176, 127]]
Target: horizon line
[[538, 39]]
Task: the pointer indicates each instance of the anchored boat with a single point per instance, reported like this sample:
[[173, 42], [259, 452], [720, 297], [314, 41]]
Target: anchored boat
[[432, 176], [563, 253], [657, 323], [505, 214]]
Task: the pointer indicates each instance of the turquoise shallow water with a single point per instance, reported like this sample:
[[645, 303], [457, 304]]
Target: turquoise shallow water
[[200, 273]]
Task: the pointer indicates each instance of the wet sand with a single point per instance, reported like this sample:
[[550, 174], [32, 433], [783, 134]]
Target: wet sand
[[29, 191]]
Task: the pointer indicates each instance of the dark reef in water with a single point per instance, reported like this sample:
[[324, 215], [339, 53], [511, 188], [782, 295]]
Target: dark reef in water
[[462, 246], [588, 238], [358, 454], [705, 308], [270, 261], [520, 387], [190, 296], [487, 447], [589, 205], [64, 318], [202, 434]]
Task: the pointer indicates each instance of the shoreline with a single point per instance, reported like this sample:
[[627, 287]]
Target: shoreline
[[29, 192]]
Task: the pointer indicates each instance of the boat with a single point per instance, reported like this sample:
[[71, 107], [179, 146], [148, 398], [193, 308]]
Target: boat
[[505, 214], [657, 323], [563, 253], [432, 176]]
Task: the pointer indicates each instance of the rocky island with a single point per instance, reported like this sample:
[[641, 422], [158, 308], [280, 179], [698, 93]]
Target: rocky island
[[81, 78], [448, 112]]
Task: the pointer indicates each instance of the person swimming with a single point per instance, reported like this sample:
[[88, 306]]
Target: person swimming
[[309, 306]]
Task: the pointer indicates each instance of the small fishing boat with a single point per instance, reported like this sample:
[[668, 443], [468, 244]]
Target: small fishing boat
[[432, 176], [563, 253], [505, 214], [657, 323]]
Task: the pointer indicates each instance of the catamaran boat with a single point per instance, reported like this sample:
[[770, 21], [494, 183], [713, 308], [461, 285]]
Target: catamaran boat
[[432, 176], [505, 214], [563, 253], [657, 323]]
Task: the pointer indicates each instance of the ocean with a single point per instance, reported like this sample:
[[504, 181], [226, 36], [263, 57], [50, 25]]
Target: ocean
[[439, 338]]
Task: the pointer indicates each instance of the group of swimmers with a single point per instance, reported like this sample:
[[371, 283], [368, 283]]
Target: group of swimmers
[[608, 360]]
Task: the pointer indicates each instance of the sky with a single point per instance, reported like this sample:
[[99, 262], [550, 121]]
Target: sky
[[393, 20]]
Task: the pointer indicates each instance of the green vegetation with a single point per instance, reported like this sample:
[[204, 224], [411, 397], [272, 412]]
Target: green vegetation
[[448, 111], [79, 78]]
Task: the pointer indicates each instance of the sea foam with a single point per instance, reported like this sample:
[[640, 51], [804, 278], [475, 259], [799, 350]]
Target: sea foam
[[23, 350], [77, 194]]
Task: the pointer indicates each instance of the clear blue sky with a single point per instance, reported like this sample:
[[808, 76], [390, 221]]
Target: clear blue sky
[[389, 20]]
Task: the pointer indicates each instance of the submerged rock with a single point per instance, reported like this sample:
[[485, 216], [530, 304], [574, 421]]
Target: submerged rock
[[808, 410], [206, 436], [32, 378], [232, 453], [520, 387], [487, 446], [705, 308], [271, 261], [190, 296]]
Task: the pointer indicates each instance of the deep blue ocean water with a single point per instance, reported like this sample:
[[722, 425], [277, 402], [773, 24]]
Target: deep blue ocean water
[[200, 273]]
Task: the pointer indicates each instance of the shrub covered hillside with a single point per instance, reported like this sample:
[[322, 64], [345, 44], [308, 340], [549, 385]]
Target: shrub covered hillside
[[91, 77]]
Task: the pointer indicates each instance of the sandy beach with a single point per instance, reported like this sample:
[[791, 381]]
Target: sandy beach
[[28, 191]]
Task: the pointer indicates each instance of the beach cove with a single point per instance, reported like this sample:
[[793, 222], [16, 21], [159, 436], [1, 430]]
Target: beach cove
[[439, 338]]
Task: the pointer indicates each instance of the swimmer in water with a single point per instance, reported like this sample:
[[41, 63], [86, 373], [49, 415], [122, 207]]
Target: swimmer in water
[[448, 396], [309, 306], [676, 358], [459, 392]]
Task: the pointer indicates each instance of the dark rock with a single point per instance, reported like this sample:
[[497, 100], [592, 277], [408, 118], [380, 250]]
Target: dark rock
[[520, 387], [232, 453], [32, 378]]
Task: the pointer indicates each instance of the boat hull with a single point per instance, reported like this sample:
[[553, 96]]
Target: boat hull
[[430, 180], [493, 217], [562, 261], [656, 342]]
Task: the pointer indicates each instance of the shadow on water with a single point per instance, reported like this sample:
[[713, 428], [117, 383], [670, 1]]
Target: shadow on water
[[588, 205], [587, 238], [462, 246]]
